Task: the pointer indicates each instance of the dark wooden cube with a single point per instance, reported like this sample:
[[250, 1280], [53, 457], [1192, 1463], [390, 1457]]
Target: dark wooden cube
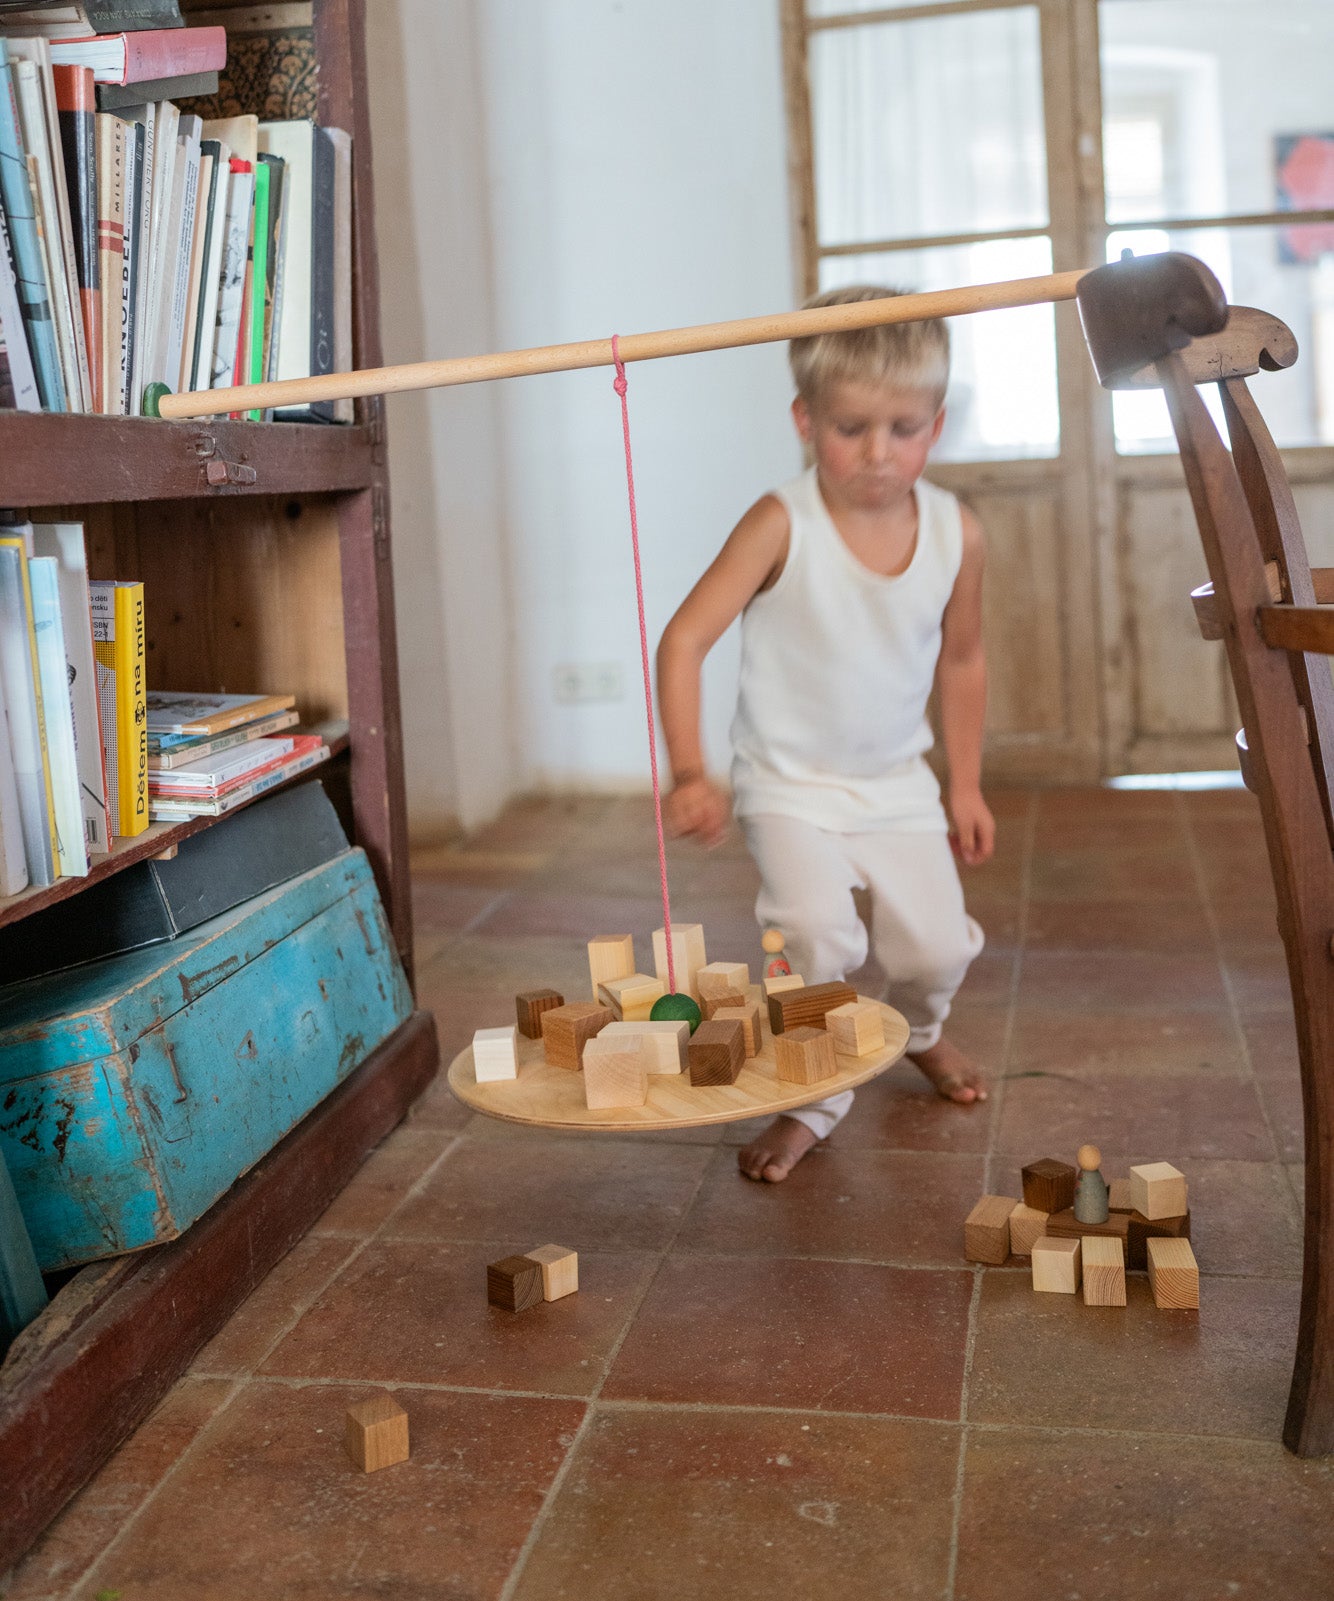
[[806, 1007], [1143, 1229], [1049, 1185], [716, 1052], [530, 1005], [514, 1283]]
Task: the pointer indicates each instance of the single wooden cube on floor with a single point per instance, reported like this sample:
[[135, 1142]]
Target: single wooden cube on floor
[[1157, 1189], [560, 1270], [495, 1054], [530, 1005], [1049, 1185], [716, 1053], [1104, 1270], [614, 1072], [805, 1056], [1174, 1274], [858, 1028], [1118, 1196], [663, 1043], [783, 981], [610, 956], [376, 1433], [1026, 1225], [986, 1230], [1056, 1265], [1141, 1230], [722, 978], [808, 1006], [514, 1283], [687, 956], [567, 1029], [724, 1001], [748, 1015], [631, 998]]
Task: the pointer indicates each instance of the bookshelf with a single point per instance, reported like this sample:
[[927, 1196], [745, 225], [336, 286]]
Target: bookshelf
[[265, 555]]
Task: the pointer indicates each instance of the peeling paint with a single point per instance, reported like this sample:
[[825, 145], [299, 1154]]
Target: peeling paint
[[193, 985], [61, 1139]]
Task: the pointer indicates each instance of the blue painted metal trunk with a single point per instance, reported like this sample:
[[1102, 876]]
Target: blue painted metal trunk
[[135, 1091]]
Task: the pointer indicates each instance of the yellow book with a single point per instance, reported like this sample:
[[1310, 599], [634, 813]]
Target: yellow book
[[118, 645], [18, 542]]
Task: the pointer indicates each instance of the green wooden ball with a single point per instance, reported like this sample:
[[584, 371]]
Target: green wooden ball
[[676, 1009]]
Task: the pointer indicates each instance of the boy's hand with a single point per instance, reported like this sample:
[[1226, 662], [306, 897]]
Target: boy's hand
[[974, 833], [697, 807]]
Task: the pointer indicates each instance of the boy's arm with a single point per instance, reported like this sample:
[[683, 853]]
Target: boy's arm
[[962, 677], [750, 561]]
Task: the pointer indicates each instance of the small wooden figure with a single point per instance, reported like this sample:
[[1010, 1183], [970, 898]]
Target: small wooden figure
[[495, 1054], [614, 1072], [1056, 1265], [1026, 1225], [560, 1270], [806, 1007], [530, 1005], [726, 1000], [1104, 1271], [514, 1283], [1049, 1185], [1174, 1274], [376, 1433], [858, 1028], [776, 983], [772, 943], [716, 1053], [687, 956], [663, 1043], [804, 1056], [986, 1230], [610, 956], [1090, 1191], [723, 978], [1157, 1189], [748, 1015], [631, 998], [567, 1029]]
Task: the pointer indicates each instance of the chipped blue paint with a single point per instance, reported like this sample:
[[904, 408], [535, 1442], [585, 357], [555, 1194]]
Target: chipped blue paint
[[135, 1091]]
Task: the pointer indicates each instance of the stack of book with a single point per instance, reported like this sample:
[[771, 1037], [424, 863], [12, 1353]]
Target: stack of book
[[208, 754], [140, 245]]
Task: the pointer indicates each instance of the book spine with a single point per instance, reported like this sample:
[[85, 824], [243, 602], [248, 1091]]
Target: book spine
[[149, 166], [163, 761], [177, 277], [322, 267], [215, 227], [77, 105], [102, 610], [57, 716], [131, 16], [132, 707], [29, 640], [136, 166], [248, 792], [253, 368], [19, 689], [171, 53], [17, 198], [233, 274], [13, 862], [23, 392], [111, 132]]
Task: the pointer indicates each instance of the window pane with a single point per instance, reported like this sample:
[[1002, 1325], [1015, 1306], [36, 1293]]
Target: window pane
[[928, 127], [836, 8], [1216, 107], [1257, 267], [1002, 395]]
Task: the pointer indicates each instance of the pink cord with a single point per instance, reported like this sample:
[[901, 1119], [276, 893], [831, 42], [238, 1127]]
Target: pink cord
[[621, 385]]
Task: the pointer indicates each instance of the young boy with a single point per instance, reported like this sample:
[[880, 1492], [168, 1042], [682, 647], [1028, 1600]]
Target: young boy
[[859, 585]]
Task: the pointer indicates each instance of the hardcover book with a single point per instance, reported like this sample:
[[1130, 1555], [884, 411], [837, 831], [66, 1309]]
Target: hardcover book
[[78, 136], [176, 712], [139, 57]]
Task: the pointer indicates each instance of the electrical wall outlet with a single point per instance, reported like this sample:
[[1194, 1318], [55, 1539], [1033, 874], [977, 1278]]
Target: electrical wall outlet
[[577, 682]]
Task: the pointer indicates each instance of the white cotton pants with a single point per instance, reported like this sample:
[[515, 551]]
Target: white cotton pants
[[924, 938]]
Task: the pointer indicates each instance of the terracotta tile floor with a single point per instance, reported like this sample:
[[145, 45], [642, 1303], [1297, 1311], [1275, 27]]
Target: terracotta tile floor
[[803, 1391]]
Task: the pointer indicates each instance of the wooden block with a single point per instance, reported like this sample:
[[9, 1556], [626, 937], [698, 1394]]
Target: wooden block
[[1118, 1196], [716, 1053], [1049, 1185], [687, 955], [376, 1433], [663, 1043], [1174, 1275], [804, 1056], [986, 1231], [614, 1071], [610, 956], [495, 1054], [778, 982], [806, 1007], [858, 1028], [567, 1029], [1066, 1226], [1142, 1229], [514, 1283], [722, 978], [631, 998], [560, 1270], [1026, 1225], [1056, 1265], [748, 1015], [724, 1002], [1104, 1271], [1157, 1189], [530, 1005]]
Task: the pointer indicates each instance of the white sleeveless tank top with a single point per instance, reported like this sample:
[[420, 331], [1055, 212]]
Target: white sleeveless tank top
[[837, 663]]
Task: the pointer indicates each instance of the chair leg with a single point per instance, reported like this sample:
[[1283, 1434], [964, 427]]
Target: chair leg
[[1308, 1429]]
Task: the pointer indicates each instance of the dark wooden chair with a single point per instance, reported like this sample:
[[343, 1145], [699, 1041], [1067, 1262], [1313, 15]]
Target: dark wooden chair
[[1163, 321]]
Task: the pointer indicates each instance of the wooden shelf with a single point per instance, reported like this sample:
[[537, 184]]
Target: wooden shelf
[[60, 459], [155, 839]]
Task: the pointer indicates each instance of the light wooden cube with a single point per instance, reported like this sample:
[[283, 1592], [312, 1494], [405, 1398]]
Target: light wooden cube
[[376, 1433], [1157, 1189], [986, 1230], [631, 998], [614, 1074], [610, 956], [1104, 1271], [722, 978], [663, 1043], [711, 1005], [783, 981], [687, 955], [1027, 1224], [748, 1015], [1118, 1196], [1056, 1265], [560, 1270], [1174, 1274], [495, 1054], [858, 1028]]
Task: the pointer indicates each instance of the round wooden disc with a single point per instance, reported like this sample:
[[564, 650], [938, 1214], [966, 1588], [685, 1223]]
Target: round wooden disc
[[553, 1097]]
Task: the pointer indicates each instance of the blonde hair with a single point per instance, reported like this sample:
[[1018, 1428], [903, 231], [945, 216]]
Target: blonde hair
[[908, 355]]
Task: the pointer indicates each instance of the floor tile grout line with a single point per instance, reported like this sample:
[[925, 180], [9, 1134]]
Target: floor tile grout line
[[956, 1509]]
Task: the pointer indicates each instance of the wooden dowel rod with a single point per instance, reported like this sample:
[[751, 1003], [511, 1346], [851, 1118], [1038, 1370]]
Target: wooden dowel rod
[[633, 347]]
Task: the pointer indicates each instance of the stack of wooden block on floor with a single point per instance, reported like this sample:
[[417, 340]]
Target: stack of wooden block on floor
[[546, 1274]]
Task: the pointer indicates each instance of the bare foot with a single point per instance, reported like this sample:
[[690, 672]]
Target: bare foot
[[777, 1151], [954, 1076]]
